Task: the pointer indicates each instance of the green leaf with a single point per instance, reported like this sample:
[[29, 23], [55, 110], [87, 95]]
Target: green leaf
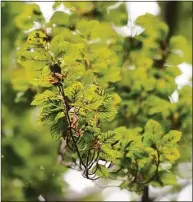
[[37, 38], [49, 112], [167, 178], [88, 78], [124, 185], [170, 153], [36, 60], [119, 16], [174, 58], [109, 137], [173, 71], [58, 129], [155, 104], [56, 5], [166, 166], [153, 133], [59, 116], [172, 137], [94, 103], [90, 93], [29, 14], [41, 98], [72, 92], [60, 18], [106, 113], [145, 20], [153, 127], [102, 171], [180, 48], [177, 42], [149, 84], [79, 7], [129, 137], [109, 154], [89, 29], [66, 42]]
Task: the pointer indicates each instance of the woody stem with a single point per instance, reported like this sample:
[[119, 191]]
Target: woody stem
[[66, 110]]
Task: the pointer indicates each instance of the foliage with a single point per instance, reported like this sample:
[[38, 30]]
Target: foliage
[[28, 163], [106, 96]]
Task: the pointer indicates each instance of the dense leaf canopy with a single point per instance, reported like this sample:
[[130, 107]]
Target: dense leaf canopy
[[104, 96]]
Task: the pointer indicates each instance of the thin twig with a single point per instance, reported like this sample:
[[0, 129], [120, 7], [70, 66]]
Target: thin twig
[[61, 150]]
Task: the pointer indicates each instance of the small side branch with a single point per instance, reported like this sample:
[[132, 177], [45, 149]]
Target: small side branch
[[61, 151]]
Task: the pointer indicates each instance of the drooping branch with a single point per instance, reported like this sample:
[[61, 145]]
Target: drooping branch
[[66, 111], [90, 160]]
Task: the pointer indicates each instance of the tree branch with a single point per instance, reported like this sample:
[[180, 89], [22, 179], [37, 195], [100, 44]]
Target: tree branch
[[145, 196], [171, 16], [66, 110]]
